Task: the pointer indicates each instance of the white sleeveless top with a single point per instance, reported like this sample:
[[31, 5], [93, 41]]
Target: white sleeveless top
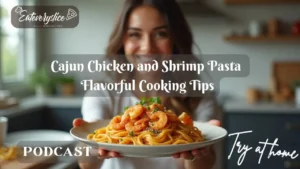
[[104, 106]]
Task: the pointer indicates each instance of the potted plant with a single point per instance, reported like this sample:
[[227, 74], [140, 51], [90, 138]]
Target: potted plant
[[65, 85], [40, 81]]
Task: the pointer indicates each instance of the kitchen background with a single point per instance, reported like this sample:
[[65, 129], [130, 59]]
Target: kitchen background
[[210, 31], [97, 19]]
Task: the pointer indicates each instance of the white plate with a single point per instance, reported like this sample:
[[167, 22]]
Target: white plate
[[211, 133], [50, 138]]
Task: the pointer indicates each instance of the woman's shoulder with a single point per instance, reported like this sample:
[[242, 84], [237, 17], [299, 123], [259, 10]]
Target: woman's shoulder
[[207, 109]]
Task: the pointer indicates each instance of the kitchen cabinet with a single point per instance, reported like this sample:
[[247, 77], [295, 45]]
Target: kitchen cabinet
[[284, 127], [45, 118], [279, 38], [61, 118], [27, 121], [269, 2]]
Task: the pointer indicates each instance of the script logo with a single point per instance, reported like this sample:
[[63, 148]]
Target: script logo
[[45, 17]]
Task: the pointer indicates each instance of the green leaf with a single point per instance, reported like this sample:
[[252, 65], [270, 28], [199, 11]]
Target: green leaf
[[131, 133], [155, 109], [126, 108], [39, 77], [64, 80], [143, 101], [155, 100]]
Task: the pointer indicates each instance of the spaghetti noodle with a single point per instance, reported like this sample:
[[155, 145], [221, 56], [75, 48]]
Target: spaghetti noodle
[[8, 153], [148, 123]]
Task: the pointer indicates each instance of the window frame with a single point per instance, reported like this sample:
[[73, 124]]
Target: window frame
[[27, 40], [21, 71]]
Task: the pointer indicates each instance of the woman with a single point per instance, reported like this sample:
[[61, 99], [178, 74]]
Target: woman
[[145, 29]]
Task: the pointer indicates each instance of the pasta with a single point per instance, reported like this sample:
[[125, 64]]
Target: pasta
[[8, 153], [148, 123]]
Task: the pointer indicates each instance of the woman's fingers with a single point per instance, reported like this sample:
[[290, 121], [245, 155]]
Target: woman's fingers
[[114, 154], [108, 154], [102, 152], [177, 155], [191, 155], [186, 155], [196, 152], [78, 122], [215, 122], [204, 151]]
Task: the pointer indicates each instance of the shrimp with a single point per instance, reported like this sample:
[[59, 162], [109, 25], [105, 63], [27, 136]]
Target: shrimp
[[118, 123], [161, 122], [153, 108], [137, 126], [171, 116], [133, 112], [186, 119], [156, 106]]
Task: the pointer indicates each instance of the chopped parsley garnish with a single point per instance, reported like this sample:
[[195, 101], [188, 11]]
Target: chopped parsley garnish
[[121, 140], [126, 108], [155, 109], [94, 132], [131, 133], [106, 141], [154, 100], [149, 101], [143, 101]]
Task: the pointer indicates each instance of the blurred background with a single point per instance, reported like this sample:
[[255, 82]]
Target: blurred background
[[268, 31]]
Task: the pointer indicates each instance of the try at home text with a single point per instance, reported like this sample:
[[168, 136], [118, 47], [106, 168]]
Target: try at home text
[[265, 149]]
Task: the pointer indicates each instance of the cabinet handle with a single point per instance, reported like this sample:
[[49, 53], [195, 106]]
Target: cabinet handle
[[290, 164], [292, 126]]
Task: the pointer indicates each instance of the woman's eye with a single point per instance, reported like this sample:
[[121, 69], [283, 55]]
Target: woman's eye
[[134, 35], [162, 34]]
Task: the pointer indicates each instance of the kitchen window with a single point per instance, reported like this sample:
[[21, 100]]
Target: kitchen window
[[11, 46], [17, 49]]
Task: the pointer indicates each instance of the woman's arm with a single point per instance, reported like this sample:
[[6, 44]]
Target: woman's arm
[[204, 158], [96, 156], [95, 106], [90, 162], [208, 111]]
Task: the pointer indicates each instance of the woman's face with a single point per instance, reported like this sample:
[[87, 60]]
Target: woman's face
[[146, 36]]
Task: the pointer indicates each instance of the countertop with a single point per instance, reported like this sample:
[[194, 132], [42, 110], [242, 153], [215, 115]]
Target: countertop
[[231, 106], [32, 103], [238, 106]]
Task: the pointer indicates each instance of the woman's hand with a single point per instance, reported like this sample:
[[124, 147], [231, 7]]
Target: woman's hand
[[191, 155], [99, 153]]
